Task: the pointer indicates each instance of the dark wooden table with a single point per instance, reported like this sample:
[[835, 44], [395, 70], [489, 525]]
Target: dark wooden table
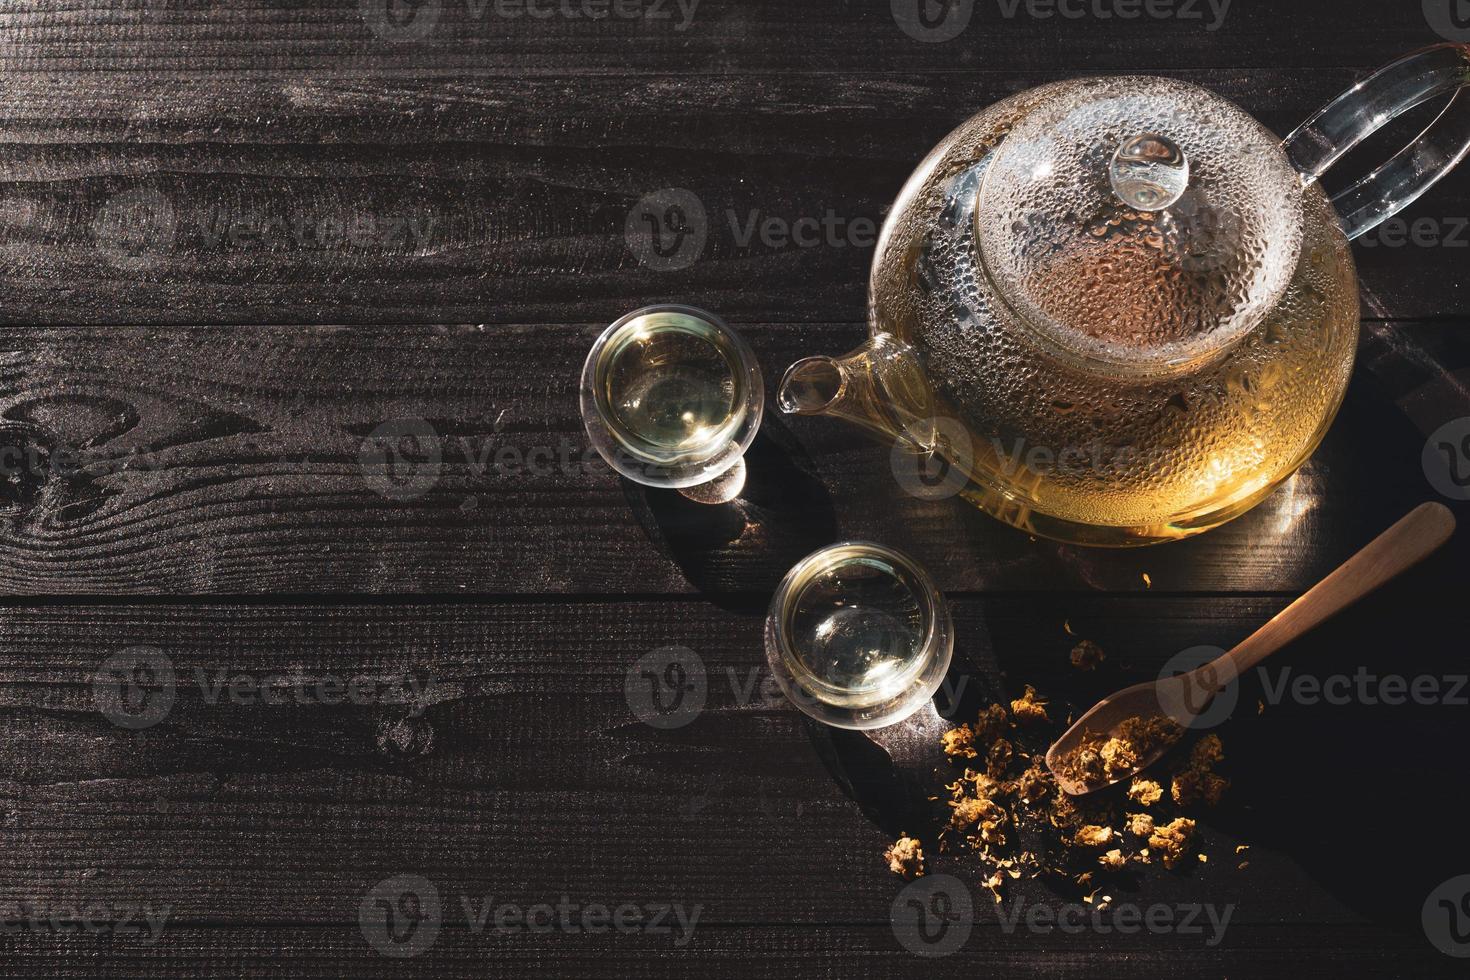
[[239, 236]]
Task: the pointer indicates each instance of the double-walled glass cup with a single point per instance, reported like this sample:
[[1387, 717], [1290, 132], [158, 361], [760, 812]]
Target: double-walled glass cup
[[671, 397], [859, 636]]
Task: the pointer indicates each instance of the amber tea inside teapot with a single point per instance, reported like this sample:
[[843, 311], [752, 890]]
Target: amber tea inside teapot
[[1120, 308]]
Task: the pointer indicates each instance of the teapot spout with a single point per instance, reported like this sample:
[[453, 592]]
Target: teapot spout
[[879, 387]]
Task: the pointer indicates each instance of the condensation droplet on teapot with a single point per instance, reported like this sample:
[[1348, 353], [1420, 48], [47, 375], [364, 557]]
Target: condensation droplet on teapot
[[1149, 172]]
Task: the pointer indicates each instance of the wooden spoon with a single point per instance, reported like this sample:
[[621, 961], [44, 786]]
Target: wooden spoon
[[1184, 697]]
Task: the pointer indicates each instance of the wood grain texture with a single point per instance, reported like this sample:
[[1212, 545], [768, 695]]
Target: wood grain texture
[[245, 460], [435, 230], [272, 197], [525, 768], [757, 952], [704, 36]]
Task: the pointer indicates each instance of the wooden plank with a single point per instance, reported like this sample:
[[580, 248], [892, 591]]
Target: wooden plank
[[140, 197], [530, 772], [756, 952], [693, 35], [244, 460]]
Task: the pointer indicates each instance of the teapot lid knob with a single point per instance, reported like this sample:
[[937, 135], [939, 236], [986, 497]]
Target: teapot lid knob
[[1149, 172]]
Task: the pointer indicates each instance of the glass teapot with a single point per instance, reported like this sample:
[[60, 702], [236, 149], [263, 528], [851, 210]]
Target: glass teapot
[[1119, 311]]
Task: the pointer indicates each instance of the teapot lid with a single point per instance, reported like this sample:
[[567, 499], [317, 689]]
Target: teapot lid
[[1143, 224]]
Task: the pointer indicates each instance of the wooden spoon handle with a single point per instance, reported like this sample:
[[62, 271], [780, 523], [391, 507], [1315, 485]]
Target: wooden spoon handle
[[1393, 552]]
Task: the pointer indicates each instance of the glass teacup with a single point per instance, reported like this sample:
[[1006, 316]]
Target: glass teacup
[[671, 397]]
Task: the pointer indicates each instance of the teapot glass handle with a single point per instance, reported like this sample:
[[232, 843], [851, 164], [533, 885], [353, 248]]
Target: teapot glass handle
[[1364, 109]]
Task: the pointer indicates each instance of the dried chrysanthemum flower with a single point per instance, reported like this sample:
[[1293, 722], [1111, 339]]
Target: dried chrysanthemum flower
[[1172, 840], [992, 722], [999, 758], [1034, 783], [959, 743], [1207, 751], [1147, 736], [1027, 709], [1087, 656], [970, 811], [1119, 756], [1101, 759], [1198, 786], [1198, 782], [995, 814], [905, 857], [1084, 764], [1145, 792], [1063, 813]]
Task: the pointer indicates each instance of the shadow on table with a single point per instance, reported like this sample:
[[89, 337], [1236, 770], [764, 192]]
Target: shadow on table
[[782, 514], [1368, 797]]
